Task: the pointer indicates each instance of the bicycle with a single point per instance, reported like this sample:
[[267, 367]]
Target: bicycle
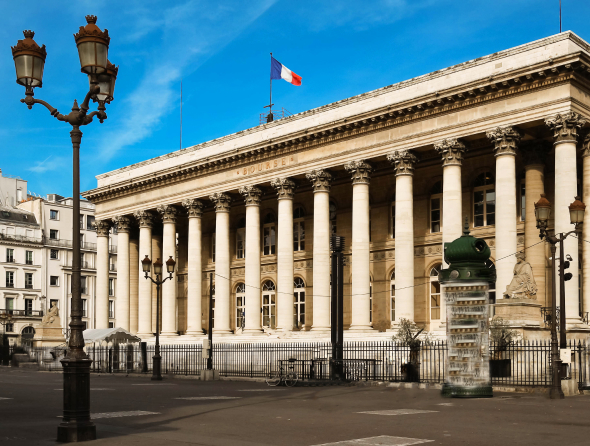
[[290, 378]]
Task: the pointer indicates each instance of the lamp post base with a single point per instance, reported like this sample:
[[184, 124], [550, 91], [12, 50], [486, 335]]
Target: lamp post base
[[157, 368], [76, 425]]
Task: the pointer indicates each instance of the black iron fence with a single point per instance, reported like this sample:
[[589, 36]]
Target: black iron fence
[[519, 364]]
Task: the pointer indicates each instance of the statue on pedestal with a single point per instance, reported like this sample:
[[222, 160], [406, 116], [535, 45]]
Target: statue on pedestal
[[523, 285], [49, 332], [52, 316]]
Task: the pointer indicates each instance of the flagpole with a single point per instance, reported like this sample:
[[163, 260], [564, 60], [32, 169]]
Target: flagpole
[[270, 106], [180, 114], [560, 16]]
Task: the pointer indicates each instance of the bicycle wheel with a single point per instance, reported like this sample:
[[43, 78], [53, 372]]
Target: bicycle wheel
[[291, 379], [273, 379]]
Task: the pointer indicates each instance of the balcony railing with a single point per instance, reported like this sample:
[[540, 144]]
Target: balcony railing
[[88, 246], [58, 242], [29, 262], [28, 286], [10, 285], [20, 238], [9, 260], [22, 313], [83, 265]]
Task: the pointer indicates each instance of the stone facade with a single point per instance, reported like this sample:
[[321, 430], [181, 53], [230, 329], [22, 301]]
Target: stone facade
[[270, 197]]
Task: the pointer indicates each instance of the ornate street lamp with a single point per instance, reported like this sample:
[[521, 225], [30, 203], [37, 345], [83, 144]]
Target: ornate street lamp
[[5, 319], [146, 264], [29, 61], [542, 214]]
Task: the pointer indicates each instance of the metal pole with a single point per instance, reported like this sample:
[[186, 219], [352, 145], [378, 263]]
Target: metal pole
[[334, 312], [555, 392], [562, 336], [157, 359], [340, 298], [210, 331], [76, 424]]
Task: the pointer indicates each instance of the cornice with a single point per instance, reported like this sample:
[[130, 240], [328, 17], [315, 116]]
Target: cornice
[[571, 68]]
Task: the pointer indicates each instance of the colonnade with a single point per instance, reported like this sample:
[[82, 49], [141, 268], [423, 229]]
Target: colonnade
[[136, 314]]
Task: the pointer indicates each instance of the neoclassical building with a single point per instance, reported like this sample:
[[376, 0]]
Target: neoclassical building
[[395, 171]]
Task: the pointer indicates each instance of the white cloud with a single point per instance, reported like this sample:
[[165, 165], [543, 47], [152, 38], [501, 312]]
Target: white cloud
[[51, 163], [190, 32]]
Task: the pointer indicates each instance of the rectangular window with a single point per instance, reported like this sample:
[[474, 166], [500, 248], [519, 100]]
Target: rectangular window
[[9, 279], [83, 289], [299, 236], [434, 300], [392, 219], [213, 247], [53, 234], [29, 257], [90, 223], [29, 280], [240, 243], [81, 221], [484, 207], [111, 287], [269, 239], [54, 280], [9, 303], [111, 309], [435, 214], [28, 307], [84, 308], [10, 328], [111, 325], [54, 254], [10, 255], [85, 325], [522, 201], [53, 215]]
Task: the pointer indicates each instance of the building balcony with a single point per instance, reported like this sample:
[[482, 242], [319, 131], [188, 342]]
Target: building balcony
[[113, 268], [20, 238], [113, 249], [22, 313], [10, 285], [28, 286], [83, 265], [10, 260]]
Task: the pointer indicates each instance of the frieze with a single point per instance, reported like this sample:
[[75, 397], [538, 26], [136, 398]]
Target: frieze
[[264, 166]]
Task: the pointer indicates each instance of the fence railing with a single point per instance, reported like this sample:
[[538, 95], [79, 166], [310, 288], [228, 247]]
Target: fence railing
[[520, 364]]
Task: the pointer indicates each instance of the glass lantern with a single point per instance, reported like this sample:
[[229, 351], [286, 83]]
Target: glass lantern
[[29, 60], [93, 47]]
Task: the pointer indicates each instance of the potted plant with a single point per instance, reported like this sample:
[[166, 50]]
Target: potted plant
[[407, 335], [501, 337]]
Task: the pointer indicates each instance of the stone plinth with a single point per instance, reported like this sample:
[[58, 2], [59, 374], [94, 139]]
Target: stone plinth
[[519, 311], [48, 336]]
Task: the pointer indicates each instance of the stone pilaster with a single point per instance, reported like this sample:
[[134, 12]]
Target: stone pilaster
[[146, 219], [169, 214], [123, 279], [194, 209], [102, 273], [222, 263]]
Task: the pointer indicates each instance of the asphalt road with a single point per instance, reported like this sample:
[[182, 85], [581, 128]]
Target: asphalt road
[[252, 414]]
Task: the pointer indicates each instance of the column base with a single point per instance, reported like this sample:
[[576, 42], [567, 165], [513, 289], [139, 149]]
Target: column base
[[321, 329], [75, 432], [145, 336], [361, 328], [221, 331], [169, 334], [253, 331], [194, 334]]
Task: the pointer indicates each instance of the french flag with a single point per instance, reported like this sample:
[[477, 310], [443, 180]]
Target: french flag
[[279, 71]]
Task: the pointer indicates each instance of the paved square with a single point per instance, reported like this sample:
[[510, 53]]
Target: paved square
[[398, 412], [382, 440]]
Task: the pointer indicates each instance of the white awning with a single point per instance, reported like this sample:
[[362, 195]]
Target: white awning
[[109, 335]]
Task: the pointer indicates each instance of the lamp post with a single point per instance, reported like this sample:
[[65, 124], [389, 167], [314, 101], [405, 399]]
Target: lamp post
[[146, 265], [542, 213], [5, 318], [29, 61]]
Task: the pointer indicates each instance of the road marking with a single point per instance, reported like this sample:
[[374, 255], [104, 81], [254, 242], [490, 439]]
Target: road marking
[[128, 413], [92, 388], [3, 398], [445, 404], [398, 412], [258, 390], [209, 398], [382, 440], [154, 384]]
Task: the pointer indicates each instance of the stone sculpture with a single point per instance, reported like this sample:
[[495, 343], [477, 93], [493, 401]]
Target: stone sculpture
[[523, 285]]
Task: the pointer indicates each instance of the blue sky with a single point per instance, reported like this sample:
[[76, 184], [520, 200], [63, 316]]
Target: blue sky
[[220, 49]]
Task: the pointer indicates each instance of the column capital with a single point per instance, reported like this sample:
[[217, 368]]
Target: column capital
[[194, 207], [285, 188], [145, 218], [586, 146], [565, 126], [360, 171], [505, 139], [251, 195], [321, 180], [122, 222], [534, 152], [403, 161], [168, 213], [451, 150], [221, 201], [102, 227]]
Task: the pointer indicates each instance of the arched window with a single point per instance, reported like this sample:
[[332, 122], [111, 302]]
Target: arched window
[[436, 207], [298, 229], [392, 296], [484, 200], [241, 239], [392, 217], [240, 305], [299, 299], [269, 304], [333, 225], [435, 293], [28, 333], [269, 234]]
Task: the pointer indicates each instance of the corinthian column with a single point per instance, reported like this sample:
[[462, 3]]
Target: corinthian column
[[505, 140], [285, 303], [168, 214], [146, 223], [222, 281], [133, 285], [194, 274], [403, 162], [123, 286], [451, 150], [102, 273], [252, 274], [586, 226], [360, 171], [565, 129], [534, 155], [321, 180]]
